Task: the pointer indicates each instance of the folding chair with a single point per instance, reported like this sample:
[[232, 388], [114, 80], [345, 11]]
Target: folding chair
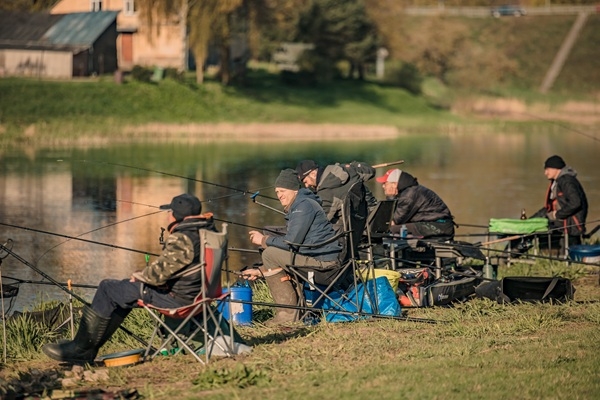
[[343, 277], [200, 316]]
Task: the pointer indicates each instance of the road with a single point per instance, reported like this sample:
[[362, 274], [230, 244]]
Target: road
[[485, 12]]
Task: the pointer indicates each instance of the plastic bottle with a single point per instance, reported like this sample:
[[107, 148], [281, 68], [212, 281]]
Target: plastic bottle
[[523, 215], [403, 231]]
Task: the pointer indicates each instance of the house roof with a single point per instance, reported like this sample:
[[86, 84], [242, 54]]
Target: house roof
[[76, 31], [80, 29]]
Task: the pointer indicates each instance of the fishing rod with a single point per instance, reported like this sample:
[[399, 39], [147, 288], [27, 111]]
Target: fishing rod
[[388, 164], [562, 126], [239, 191], [344, 312], [253, 197], [97, 229], [21, 281], [77, 238], [61, 286]]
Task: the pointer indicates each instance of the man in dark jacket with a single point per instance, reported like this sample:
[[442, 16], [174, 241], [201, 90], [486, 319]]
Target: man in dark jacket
[[419, 208], [171, 281], [306, 224], [566, 204], [332, 184]]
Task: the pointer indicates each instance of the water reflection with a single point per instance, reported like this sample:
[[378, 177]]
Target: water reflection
[[109, 197]]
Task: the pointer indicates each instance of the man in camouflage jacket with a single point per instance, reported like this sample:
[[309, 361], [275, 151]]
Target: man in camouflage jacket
[[172, 280]]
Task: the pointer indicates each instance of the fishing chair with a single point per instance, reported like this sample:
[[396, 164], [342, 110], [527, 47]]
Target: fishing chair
[[178, 327], [314, 286]]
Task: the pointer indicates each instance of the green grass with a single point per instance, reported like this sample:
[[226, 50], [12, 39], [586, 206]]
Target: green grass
[[479, 350]]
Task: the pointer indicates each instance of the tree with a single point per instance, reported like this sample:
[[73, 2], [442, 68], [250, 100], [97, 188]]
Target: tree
[[27, 5], [205, 21], [340, 30]]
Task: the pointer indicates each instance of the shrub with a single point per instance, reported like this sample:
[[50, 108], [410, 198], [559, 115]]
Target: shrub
[[141, 74], [405, 76]]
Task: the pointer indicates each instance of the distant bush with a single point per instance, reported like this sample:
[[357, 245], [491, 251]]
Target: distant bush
[[141, 74], [175, 74], [405, 76]]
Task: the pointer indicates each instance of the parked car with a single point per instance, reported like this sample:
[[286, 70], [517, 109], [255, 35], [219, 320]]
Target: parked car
[[507, 9]]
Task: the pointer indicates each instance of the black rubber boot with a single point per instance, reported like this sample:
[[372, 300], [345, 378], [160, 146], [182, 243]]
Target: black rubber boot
[[84, 348], [114, 323], [283, 292]]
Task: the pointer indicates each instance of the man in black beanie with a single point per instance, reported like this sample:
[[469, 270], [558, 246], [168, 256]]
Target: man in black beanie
[[566, 204], [306, 224]]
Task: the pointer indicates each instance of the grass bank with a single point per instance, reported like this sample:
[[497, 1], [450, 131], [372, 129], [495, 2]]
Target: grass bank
[[478, 350], [98, 111]]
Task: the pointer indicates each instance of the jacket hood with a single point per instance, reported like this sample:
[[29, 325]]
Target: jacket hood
[[406, 180], [305, 193], [567, 171], [332, 176]]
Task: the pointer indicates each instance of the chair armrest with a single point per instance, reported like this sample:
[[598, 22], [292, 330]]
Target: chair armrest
[[317, 245]]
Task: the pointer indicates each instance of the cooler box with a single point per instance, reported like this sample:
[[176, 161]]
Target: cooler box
[[588, 253]]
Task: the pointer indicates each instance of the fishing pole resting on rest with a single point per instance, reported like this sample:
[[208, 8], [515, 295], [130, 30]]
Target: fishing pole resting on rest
[[3, 248], [253, 197], [239, 191]]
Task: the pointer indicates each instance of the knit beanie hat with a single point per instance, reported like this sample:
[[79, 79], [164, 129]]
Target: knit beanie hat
[[287, 179], [554, 162]]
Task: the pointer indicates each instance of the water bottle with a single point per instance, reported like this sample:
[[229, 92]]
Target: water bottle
[[523, 215], [403, 231]]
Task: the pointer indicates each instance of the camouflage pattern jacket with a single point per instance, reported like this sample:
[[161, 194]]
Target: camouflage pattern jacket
[[176, 269]]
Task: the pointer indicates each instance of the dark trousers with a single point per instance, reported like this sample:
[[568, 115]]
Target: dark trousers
[[120, 296]]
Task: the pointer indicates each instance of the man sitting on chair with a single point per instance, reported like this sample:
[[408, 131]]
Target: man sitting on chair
[[422, 211], [171, 281], [306, 224]]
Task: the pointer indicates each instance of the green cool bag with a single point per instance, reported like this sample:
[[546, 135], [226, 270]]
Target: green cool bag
[[518, 226]]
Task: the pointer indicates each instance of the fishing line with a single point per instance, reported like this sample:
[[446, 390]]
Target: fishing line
[[240, 191], [77, 238], [94, 230], [59, 285], [562, 126]]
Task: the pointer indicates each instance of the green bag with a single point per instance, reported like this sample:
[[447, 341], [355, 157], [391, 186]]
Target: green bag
[[518, 226]]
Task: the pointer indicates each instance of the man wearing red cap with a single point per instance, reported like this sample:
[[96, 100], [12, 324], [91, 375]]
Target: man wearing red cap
[[566, 204], [419, 208]]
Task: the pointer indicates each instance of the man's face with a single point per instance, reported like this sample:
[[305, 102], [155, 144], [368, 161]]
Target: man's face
[[390, 188], [310, 180], [551, 173], [286, 196]]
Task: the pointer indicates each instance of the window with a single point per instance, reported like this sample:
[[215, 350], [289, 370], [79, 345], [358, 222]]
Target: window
[[128, 7], [96, 5]]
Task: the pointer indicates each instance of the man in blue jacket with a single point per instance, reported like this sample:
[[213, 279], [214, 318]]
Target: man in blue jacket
[[306, 224]]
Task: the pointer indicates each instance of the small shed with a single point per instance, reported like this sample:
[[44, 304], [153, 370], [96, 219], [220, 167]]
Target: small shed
[[58, 46]]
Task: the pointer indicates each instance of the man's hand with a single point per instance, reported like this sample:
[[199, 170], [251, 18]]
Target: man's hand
[[256, 237], [251, 274]]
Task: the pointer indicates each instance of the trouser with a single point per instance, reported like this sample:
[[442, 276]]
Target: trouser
[[319, 272], [121, 296], [433, 229]]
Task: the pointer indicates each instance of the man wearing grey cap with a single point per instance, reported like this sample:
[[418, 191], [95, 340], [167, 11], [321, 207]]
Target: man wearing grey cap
[[170, 281], [306, 224], [420, 209]]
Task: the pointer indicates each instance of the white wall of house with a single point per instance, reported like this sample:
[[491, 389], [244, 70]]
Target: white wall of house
[[38, 63]]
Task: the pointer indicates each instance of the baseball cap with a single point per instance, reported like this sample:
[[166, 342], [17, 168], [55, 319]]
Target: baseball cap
[[183, 206], [392, 175]]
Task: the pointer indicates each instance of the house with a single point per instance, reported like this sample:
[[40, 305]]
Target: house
[[150, 42], [57, 46]]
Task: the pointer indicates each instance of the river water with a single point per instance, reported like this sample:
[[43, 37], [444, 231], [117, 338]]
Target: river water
[[107, 198]]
